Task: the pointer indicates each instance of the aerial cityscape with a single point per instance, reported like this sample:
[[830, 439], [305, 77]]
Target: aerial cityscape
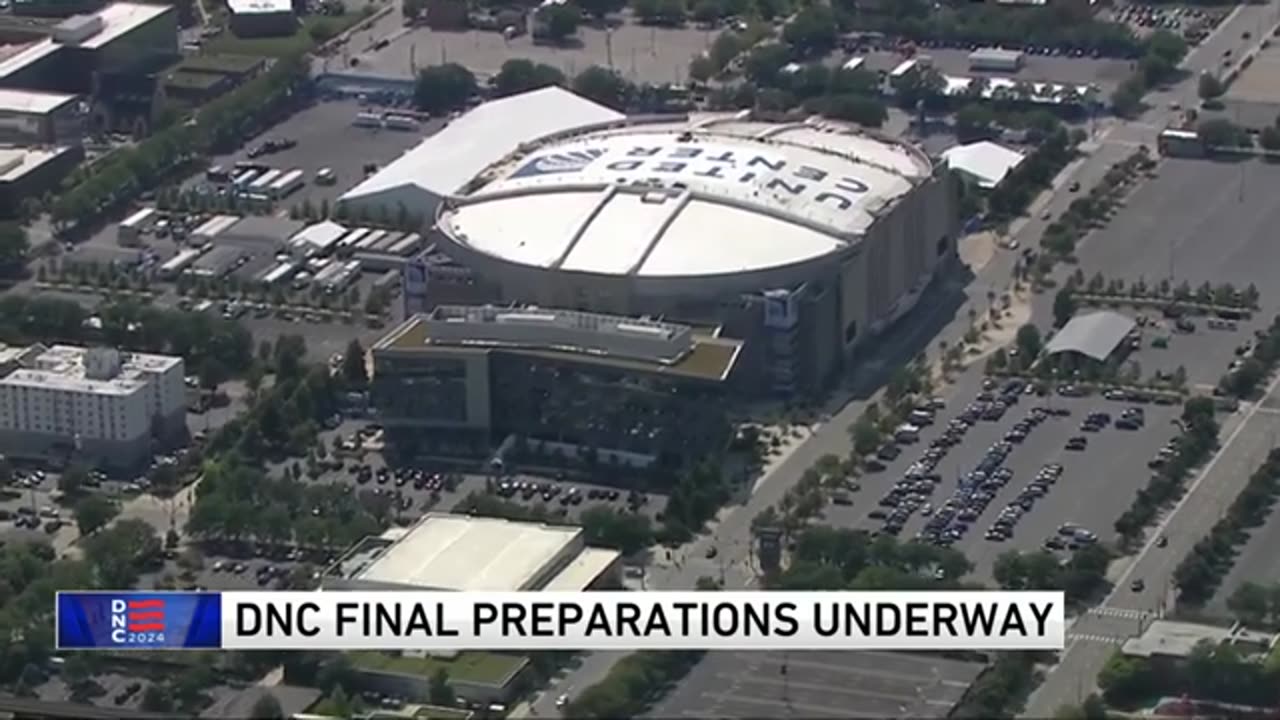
[[644, 295]]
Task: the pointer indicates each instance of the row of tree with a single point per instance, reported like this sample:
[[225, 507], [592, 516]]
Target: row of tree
[[1224, 295], [1256, 604], [1247, 378], [632, 685], [602, 526], [1200, 572], [907, 385], [1161, 56], [451, 87], [1015, 192], [1212, 672], [1092, 210], [826, 558], [1199, 437], [213, 347], [238, 502], [30, 574], [283, 419], [1081, 578], [222, 125]]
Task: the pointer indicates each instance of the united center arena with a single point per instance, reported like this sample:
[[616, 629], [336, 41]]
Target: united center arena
[[802, 239]]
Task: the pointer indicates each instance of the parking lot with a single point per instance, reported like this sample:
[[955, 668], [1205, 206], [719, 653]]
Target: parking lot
[[1106, 72], [1008, 472], [641, 54], [1208, 222], [819, 685], [325, 137]]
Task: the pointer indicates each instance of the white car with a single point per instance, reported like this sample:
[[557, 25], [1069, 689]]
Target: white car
[[562, 701]]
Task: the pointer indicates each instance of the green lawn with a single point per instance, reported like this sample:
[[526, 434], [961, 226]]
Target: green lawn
[[480, 667], [300, 42]]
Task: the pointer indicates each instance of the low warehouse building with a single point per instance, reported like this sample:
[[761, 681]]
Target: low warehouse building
[[446, 552]]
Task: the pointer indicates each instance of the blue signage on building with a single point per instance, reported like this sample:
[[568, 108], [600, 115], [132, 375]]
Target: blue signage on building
[[771, 172]]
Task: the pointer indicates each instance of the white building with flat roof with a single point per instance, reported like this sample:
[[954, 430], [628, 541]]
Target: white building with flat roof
[[99, 403], [465, 553]]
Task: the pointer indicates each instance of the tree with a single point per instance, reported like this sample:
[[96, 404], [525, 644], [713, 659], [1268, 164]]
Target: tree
[[412, 8], [557, 22], [93, 512], [354, 370], [441, 88], [974, 122], [1250, 602], [812, 31], [1210, 87], [517, 76], [1029, 342], [603, 86], [861, 109], [14, 248], [724, 49], [266, 707], [72, 480], [765, 62], [920, 85], [156, 698], [702, 69], [1220, 132], [440, 691], [1064, 307], [600, 9], [627, 532], [1269, 139]]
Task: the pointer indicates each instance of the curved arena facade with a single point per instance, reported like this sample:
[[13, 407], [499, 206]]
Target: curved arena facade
[[820, 224], [802, 239]]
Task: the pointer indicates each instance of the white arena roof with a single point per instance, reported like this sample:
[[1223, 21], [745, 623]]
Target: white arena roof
[[462, 552], [686, 199], [445, 162]]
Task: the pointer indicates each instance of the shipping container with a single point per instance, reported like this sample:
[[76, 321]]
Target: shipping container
[[406, 245], [263, 181], [387, 242], [373, 238], [279, 273], [244, 179], [353, 238]]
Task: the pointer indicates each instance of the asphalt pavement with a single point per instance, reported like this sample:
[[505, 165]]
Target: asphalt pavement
[[1244, 442], [1247, 437]]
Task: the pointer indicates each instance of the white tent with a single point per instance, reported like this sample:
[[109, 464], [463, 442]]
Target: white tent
[[983, 163], [443, 163]]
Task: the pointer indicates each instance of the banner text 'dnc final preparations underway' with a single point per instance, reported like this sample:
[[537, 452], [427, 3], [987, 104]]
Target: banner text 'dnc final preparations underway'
[[593, 621]]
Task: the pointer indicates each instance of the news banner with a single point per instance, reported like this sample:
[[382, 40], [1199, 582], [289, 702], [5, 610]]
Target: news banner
[[396, 620]]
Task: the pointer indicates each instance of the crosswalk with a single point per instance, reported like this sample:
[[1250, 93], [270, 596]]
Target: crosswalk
[[1091, 637], [1124, 613]]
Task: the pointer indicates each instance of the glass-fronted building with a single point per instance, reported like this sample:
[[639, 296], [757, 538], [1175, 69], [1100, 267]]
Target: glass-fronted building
[[467, 378]]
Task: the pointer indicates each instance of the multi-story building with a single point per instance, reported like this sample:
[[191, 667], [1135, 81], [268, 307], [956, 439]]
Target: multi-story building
[[111, 57], [40, 118], [99, 405], [631, 390]]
